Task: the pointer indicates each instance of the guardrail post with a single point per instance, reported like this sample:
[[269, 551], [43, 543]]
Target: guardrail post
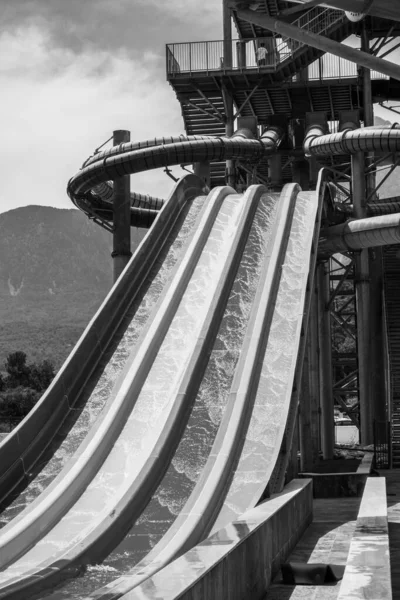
[[121, 253]]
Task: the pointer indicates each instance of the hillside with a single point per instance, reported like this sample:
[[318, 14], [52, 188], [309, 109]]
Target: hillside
[[55, 270]]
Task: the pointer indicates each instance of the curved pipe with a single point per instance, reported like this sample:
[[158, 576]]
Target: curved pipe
[[352, 141], [359, 234], [312, 133], [105, 191], [161, 152]]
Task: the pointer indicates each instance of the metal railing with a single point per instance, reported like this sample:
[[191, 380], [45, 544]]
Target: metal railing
[[330, 66], [315, 21], [250, 53], [382, 444], [253, 53], [194, 57]]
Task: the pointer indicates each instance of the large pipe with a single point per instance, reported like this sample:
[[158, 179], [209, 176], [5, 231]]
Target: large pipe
[[123, 161], [380, 139], [361, 233], [321, 43]]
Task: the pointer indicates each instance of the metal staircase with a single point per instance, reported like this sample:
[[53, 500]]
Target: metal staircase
[[205, 115], [281, 90], [391, 263]]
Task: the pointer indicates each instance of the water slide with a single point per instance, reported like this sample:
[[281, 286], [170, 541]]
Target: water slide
[[217, 422]]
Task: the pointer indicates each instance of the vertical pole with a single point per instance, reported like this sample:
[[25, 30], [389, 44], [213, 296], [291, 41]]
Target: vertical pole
[[374, 308], [228, 100], [227, 26], [230, 164], [306, 455], [368, 105], [309, 405], [313, 352], [325, 354], [202, 170], [122, 214], [362, 303]]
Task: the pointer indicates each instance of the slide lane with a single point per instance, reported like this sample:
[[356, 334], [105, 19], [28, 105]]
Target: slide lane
[[198, 513], [245, 453], [163, 374], [35, 452], [208, 409]]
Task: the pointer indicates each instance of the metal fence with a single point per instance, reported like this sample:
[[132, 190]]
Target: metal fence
[[382, 444], [251, 53]]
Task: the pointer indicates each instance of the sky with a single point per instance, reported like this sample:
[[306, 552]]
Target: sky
[[72, 71]]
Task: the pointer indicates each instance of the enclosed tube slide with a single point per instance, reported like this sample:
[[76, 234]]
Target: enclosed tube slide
[[359, 234], [90, 189], [379, 230]]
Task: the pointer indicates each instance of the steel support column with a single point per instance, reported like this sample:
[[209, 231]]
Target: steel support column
[[314, 383], [227, 33], [229, 129], [362, 303], [122, 214], [325, 363], [228, 100]]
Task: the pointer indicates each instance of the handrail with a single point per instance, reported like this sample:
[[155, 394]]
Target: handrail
[[185, 58]]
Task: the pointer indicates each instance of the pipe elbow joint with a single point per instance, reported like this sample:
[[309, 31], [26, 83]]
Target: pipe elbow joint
[[312, 132], [272, 137]]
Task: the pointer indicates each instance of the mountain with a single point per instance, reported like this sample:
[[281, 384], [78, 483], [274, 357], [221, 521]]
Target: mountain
[[55, 270]]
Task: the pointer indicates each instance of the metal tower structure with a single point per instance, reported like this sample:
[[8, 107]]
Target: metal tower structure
[[300, 66]]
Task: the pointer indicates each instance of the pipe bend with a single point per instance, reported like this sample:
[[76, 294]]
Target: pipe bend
[[312, 132], [272, 137]]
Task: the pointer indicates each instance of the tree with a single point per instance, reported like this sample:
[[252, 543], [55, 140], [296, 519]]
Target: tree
[[16, 403], [41, 375], [17, 369]]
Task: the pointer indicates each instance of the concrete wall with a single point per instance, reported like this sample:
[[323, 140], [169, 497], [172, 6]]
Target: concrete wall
[[240, 560]]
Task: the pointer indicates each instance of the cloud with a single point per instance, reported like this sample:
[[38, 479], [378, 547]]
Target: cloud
[[57, 106], [134, 25]]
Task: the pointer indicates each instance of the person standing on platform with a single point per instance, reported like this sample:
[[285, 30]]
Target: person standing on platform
[[261, 55]]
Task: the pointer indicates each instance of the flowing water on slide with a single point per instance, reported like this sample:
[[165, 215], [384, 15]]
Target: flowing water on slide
[[78, 424], [152, 407], [196, 443]]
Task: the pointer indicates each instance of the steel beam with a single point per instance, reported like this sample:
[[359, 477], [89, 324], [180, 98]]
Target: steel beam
[[321, 43], [325, 363]]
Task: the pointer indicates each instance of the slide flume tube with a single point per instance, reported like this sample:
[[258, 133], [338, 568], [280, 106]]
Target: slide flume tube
[[196, 517], [359, 234], [22, 448], [238, 236], [124, 161]]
